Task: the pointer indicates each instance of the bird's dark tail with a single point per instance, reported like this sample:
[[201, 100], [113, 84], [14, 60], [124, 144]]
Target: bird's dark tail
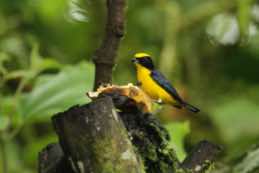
[[191, 108]]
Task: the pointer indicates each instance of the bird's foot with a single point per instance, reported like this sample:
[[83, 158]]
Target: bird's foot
[[139, 83]]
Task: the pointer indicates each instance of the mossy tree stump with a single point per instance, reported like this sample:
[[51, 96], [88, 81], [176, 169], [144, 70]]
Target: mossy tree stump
[[99, 138], [94, 139]]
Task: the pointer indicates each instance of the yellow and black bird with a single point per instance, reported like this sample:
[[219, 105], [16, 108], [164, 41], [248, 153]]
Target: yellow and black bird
[[156, 85]]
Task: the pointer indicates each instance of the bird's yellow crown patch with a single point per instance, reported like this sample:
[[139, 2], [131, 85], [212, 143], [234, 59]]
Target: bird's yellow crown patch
[[141, 55]]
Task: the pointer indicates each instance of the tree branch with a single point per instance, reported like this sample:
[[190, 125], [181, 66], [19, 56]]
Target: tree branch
[[201, 157], [104, 57]]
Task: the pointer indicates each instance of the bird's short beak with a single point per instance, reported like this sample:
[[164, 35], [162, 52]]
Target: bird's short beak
[[134, 60]]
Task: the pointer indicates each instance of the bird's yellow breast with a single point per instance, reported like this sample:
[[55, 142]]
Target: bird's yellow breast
[[154, 90]]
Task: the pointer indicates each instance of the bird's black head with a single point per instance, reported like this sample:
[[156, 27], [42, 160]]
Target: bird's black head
[[144, 60]]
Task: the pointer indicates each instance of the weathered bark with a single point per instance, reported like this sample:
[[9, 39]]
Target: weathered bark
[[94, 139], [151, 140], [104, 57], [52, 160]]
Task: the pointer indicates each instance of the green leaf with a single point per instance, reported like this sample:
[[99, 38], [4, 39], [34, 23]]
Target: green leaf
[[8, 111], [4, 122], [223, 29], [55, 93], [3, 57], [76, 12], [249, 164], [236, 119], [39, 64], [14, 158], [50, 11], [177, 132], [243, 112], [37, 145], [49, 63], [244, 16]]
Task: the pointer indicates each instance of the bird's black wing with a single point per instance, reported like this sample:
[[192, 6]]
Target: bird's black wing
[[160, 79]]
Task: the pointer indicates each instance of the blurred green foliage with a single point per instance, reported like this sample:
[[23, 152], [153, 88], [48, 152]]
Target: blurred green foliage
[[44, 88], [178, 132], [208, 48], [249, 163]]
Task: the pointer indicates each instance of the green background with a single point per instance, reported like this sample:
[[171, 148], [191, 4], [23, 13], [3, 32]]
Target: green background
[[209, 50]]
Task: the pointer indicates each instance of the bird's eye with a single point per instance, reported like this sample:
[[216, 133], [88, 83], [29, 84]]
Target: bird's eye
[[146, 62]]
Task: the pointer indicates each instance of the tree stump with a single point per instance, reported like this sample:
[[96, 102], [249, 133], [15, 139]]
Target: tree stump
[[94, 139], [112, 135]]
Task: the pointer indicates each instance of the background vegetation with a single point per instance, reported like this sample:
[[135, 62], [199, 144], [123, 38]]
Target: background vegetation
[[208, 48]]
